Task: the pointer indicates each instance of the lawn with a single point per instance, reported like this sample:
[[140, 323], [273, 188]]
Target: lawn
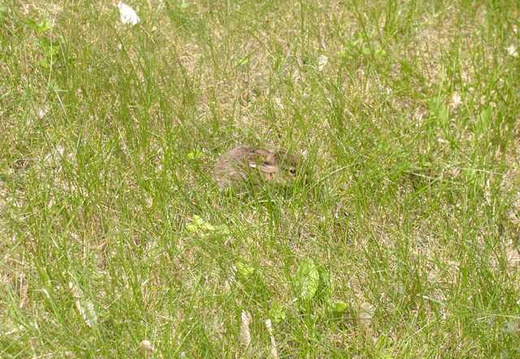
[[399, 238]]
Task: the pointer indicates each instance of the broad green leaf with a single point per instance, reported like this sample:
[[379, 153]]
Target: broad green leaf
[[244, 270], [307, 280], [277, 313], [339, 307]]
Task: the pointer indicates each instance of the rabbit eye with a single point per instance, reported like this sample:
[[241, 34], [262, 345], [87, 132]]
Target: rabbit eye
[[292, 171]]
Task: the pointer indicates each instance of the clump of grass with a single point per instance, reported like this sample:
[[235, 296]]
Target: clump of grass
[[402, 240]]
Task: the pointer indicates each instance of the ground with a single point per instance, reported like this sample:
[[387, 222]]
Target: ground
[[398, 239]]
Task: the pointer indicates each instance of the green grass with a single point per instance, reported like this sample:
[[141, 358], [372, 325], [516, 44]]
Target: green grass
[[402, 242]]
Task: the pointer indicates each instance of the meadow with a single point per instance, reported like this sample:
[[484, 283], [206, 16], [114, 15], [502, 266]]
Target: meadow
[[399, 239]]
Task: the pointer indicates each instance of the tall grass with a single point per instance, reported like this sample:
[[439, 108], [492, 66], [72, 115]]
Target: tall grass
[[402, 242]]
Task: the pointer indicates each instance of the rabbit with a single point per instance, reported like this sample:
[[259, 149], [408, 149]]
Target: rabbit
[[242, 163]]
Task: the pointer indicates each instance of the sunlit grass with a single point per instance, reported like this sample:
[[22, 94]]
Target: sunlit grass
[[401, 241]]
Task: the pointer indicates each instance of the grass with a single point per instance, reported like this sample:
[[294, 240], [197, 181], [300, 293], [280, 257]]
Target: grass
[[401, 243]]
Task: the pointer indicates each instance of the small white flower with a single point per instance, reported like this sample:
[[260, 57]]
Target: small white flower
[[128, 15], [41, 113], [511, 51], [322, 61], [146, 346], [455, 100]]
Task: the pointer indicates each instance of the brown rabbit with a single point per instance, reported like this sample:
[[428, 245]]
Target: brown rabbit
[[243, 162]]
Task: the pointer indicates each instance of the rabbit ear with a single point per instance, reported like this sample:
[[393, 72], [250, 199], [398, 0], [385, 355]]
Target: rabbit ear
[[255, 159], [265, 168], [267, 158], [260, 156]]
